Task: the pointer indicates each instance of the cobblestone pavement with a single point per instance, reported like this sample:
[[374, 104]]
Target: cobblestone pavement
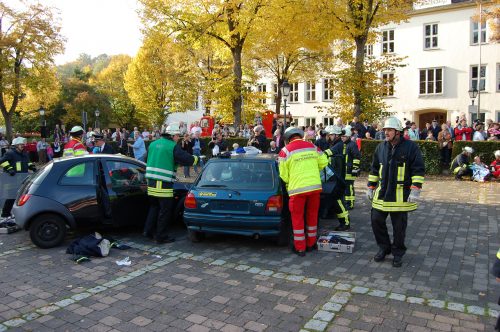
[[235, 283]]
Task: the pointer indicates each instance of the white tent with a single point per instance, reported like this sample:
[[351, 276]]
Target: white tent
[[186, 117]]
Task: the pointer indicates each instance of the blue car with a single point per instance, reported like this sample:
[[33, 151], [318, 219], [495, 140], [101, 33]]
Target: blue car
[[242, 195]]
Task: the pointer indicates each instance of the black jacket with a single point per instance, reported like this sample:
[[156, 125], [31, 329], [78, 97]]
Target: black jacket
[[321, 143], [393, 171], [18, 161], [107, 149], [352, 158]]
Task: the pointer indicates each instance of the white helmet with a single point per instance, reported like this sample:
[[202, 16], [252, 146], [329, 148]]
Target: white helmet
[[333, 130], [394, 123], [290, 131], [76, 130], [172, 129], [468, 149], [497, 153], [348, 131], [19, 140]]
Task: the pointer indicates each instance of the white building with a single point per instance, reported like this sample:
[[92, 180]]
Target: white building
[[441, 44]]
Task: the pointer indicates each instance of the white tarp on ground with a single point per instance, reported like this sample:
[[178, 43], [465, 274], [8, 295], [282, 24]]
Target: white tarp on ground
[[186, 117], [9, 185]]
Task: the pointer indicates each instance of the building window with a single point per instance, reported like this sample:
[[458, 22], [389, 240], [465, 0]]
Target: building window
[[476, 32], [387, 41], [327, 89], [431, 36], [310, 122], [275, 93], [388, 84], [328, 121], [369, 50], [498, 77], [294, 93], [261, 88], [476, 75], [310, 91], [431, 81]]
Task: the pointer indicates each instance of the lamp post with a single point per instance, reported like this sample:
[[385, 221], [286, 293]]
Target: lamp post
[[96, 125], [285, 92], [473, 94], [43, 133]]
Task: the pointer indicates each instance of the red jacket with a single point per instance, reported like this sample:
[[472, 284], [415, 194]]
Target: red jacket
[[495, 168], [464, 130]]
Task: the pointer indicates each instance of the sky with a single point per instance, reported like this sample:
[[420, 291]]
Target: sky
[[97, 26]]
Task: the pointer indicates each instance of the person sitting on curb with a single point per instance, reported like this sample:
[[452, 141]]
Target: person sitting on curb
[[495, 166]]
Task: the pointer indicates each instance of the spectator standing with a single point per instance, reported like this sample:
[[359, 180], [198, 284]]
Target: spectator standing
[[450, 129], [424, 132], [218, 142], [196, 128], [494, 132], [145, 134], [198, 146], [260, 141], [32, 151], [246, 132], [100, 145], [139, 147], [413, 132], [479, 134], [278, 139], [435, 129], [187, 146], [272, 148], [430, 136], [4, 145], [41, 148], [379, 135], [445, 144], [115, 137], [463, 132]]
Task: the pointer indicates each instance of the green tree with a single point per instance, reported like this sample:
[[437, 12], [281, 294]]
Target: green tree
[[29, 40]]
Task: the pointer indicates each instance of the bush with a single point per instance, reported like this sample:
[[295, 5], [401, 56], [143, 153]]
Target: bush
[[484, 149], [430, 153]]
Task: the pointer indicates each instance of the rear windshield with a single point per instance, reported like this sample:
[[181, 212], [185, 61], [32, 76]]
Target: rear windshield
[[241, 175], [39, 176]]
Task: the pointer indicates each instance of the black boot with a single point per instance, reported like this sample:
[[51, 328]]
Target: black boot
[[380, 256], [313, 248], [397, 261], [342, 228], [299, 253]]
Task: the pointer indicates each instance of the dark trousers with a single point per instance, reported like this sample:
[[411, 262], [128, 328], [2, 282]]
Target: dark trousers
[[331, 203], [399, 221], [445, 156], [159, 217], [7, 207]]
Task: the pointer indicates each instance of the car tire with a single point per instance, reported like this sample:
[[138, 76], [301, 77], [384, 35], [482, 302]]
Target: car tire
[[48, 230], [195, 236]]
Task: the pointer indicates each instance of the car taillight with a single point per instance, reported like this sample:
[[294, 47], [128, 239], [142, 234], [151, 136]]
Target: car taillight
[[23, 199], [190, 201], [274, 204]]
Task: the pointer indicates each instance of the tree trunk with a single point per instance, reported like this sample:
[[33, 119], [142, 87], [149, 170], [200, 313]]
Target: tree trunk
[[236, 102], [278, 97], [8, 125], [359, 70]]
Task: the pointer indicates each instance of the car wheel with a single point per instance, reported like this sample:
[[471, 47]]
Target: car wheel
[[284, 238], [195, 236], [48, 230]]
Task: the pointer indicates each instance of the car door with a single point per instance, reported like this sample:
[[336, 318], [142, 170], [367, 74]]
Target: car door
[[127, 191], [78, 192]]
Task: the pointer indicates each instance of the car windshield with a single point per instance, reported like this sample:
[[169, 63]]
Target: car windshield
[[238, 175]]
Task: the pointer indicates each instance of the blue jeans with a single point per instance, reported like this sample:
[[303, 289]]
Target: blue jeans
[[197, 152]]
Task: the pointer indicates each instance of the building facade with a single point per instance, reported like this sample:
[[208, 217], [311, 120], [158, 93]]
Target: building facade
[[447, 54]]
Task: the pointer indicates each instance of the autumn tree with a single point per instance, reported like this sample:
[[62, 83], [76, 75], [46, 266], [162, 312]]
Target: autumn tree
[[229, 22], [110, 82], [357, 23], [161, 77], [29, 40]]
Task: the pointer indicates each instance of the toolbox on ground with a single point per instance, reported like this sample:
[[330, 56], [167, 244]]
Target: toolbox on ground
[[337, 241]]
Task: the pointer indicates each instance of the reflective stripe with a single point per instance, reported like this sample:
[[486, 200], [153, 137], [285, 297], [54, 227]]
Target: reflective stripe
[[356, 161], [329, 152], [304, 189], [159, 170], [455, 171], [343, 215], [380, 171], [289, 154], [18, 166], [68, 152], [311, 234], [80, 153], [498, 254], [417, 179], [299, 238], [195, 160], [399, 186], [372, 178], [159, 177], [311, 228], [5, 164], [300, 231]]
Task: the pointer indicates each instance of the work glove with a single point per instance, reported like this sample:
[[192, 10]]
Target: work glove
[[32, 167], [414, 195], [369, 193], [203, 157], [355, 171], [12, 172]]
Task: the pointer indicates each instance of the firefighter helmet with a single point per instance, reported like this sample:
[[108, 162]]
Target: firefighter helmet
[[19, 140], [497, 153], [172, 129], [333, 130], [393, 123], [468, 149], [348, 131], [290, 131], [76, 131]]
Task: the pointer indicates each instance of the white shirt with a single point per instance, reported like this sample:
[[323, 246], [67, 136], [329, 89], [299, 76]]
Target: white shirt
[[478, 136], [196, 129], [145, 135]]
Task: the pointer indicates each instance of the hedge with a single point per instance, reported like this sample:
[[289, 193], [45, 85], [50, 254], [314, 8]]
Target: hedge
[[430, 151]]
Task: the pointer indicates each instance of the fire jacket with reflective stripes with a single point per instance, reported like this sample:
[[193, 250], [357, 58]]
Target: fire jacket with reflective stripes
[[74, 148], [393, 171], [352, 158], [300, 163], [336, 157], [18, 161], [163, 156]]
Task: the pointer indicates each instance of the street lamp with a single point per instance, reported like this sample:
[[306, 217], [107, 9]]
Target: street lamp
[[285, 92], [473, 94], [43, 133], [97, 118]]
